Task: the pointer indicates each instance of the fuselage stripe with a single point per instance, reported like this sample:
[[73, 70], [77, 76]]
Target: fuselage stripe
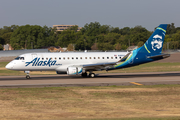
[[161, 29]]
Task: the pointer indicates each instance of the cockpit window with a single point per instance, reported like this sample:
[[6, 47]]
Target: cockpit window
[[19, 58]]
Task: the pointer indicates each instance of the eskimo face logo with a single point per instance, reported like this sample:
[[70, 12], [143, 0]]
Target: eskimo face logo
[[157, 42]]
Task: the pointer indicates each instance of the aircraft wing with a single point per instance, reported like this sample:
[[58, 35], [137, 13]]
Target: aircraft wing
[[102, 66], [97, 66]]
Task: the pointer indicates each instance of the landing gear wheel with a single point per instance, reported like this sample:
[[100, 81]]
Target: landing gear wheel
[[84, 75], [27, 74], [27, 77], [91, 75]]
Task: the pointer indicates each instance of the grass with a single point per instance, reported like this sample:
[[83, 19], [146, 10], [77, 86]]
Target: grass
[[111, 103], [168, 118], [149, 67], [155, 102], [3, 64]]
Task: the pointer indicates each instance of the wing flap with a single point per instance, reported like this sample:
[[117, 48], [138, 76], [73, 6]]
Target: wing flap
[[97, 66]]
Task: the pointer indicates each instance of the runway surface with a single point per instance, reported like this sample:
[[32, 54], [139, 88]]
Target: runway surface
[[100, 80]]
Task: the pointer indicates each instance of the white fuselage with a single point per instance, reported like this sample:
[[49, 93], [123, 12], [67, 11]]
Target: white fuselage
[[61, 61]]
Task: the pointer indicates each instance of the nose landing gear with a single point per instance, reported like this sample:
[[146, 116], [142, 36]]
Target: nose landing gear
[[27, 74]]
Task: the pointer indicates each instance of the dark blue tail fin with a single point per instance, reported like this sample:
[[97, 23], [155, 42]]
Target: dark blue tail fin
[[154, 44], [150, 51]]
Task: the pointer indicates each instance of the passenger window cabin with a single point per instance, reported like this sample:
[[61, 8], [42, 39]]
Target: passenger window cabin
[[22, 58]]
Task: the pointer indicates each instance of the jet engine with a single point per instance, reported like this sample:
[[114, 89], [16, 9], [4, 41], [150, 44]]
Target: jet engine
[[74, 70]]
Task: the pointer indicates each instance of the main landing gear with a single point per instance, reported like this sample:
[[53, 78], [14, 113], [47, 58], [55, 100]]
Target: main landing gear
[[90, 74], [84, 74], [27, 74]]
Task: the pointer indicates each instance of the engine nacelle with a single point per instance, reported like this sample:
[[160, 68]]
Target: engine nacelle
[[74, 70]]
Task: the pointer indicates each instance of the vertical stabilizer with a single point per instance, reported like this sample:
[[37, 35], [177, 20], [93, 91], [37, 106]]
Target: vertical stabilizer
[[154, 44], [150, 51]]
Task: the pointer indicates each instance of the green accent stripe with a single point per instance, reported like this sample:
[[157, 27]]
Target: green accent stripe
[[124, 61], [146, 48], [129, 57], [161, 29], [118, 64]]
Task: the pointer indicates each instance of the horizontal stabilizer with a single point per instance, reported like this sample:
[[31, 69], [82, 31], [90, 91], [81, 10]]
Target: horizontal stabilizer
[[159, 56]]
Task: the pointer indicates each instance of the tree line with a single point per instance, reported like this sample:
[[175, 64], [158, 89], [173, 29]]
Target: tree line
[[92, 36]]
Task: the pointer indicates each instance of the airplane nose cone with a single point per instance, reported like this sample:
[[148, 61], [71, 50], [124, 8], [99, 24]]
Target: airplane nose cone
[[9, 66]]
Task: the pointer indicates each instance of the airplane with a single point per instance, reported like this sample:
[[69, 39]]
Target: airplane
[[82, 63]]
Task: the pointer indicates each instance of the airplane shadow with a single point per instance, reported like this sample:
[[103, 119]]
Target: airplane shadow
[[140, 75]]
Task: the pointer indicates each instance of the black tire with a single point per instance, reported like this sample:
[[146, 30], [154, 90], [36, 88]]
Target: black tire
[[27, 77], [84, 75], [92, 75]]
